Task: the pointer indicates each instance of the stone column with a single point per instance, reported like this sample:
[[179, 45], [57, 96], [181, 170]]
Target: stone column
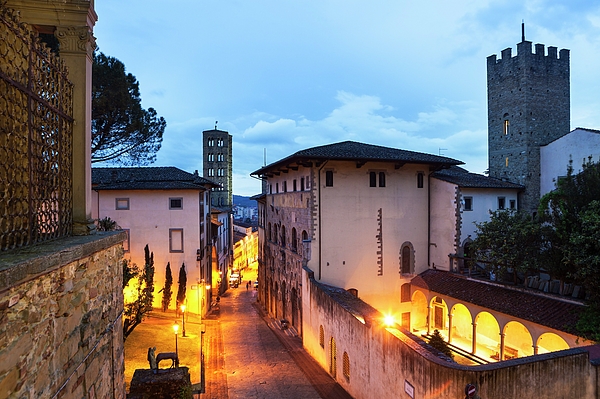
[[474, 347], [429, 319], [76, 50], [501, 346], [450, 327]]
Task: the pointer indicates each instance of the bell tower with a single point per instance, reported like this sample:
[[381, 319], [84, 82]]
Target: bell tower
[[528, 107]]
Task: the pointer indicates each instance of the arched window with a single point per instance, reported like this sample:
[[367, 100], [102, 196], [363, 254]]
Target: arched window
[[304, 235], [283, 236], [269, 231], [275, 234], [321, 337], [294, 240], [353, 291], [346, 366], [407, 258]]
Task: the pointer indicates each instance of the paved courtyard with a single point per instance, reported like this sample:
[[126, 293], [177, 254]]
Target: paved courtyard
[[246, 353]]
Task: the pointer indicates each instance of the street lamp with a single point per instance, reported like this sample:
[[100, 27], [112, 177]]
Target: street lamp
[[183, 319], [176, 329]]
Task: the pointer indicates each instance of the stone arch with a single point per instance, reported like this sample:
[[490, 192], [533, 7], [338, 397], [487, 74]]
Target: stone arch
[[439, 315], [517, 340], [294, 242], [294, 302], [487, 336], [275, 298], [418, 314], [461, 331], [550, 342], [283, 300]]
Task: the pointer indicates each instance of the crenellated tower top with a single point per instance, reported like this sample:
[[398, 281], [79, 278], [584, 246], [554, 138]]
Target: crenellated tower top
[[528, 106]]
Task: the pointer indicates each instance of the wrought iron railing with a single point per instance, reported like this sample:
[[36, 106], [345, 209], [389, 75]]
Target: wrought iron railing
[[36, 128]]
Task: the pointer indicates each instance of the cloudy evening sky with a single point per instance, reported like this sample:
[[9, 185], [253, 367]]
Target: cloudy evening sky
[[284, 75]]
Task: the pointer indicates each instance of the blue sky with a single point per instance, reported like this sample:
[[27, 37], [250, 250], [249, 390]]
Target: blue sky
[[284, 75]]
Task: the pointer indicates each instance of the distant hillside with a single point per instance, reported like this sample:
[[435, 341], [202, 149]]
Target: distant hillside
[[243, 201]]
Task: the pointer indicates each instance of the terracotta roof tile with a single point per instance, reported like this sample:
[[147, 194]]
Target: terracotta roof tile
[[528, 305], [147, 178], [464, 178], [355, 151]]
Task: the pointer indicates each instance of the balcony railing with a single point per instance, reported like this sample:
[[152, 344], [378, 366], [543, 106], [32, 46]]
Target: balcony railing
[[36, 128]]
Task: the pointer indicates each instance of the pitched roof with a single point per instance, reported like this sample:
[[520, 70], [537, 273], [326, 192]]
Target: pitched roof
[[463, 178], [359, 152], [551, 312], [148, 178]]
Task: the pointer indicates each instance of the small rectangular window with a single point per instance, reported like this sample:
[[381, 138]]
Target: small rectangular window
[[372, 179], [176, 203], [513, 204], [277, 188], [302, 184], [405, 292], [175, 240], [420, 176], [501, 203], [381, 179], [294, 186], [468, 203], [329, 178], [506, 127], [285, 186], [270, 189], [122, 203]]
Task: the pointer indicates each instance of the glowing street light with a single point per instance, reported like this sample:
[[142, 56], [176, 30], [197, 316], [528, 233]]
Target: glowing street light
[[176, 329], [183, 319], [389, 320]]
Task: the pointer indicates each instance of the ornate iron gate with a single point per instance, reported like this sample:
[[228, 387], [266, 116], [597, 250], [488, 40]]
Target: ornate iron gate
[[36, 128]]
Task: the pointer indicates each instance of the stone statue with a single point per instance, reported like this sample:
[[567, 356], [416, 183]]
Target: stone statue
[[152, 359]]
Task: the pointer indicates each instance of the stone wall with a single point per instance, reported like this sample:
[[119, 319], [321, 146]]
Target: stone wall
[[60, 319], [530, 91], [372, 361]]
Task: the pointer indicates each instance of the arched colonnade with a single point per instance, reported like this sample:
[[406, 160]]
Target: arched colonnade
[[489, 335]]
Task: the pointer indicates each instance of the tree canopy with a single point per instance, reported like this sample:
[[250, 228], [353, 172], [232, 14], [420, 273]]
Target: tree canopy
[[563, 240], [122, 131], [134, 312]]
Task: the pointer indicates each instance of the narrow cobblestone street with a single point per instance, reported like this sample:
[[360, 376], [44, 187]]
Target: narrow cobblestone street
[[246, 353]]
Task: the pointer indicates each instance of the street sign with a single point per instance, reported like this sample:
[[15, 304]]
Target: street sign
[[470, 390]]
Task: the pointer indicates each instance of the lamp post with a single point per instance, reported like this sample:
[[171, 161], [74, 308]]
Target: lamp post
[[176, 329], [183, 319]]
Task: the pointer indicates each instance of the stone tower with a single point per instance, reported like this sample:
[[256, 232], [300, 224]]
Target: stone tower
[[528, 107], [217, 165]]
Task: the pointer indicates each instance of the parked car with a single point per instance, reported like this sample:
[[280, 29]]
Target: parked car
[[256, 285]]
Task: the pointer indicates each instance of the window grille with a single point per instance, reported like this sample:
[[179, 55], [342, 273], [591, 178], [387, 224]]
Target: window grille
[[346, 366]]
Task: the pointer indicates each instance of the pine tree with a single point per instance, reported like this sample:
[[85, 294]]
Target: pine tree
[[437, 341], [167, 292]]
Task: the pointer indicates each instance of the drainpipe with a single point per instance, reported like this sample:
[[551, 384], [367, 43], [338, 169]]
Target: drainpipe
[[429, 219], [320, 240]]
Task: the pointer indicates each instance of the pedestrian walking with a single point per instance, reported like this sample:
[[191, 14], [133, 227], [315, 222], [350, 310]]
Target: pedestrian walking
[[247, 285]]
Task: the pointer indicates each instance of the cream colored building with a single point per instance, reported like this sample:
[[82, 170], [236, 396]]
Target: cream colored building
[[387, 226], [167, 209], [356, 214]]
